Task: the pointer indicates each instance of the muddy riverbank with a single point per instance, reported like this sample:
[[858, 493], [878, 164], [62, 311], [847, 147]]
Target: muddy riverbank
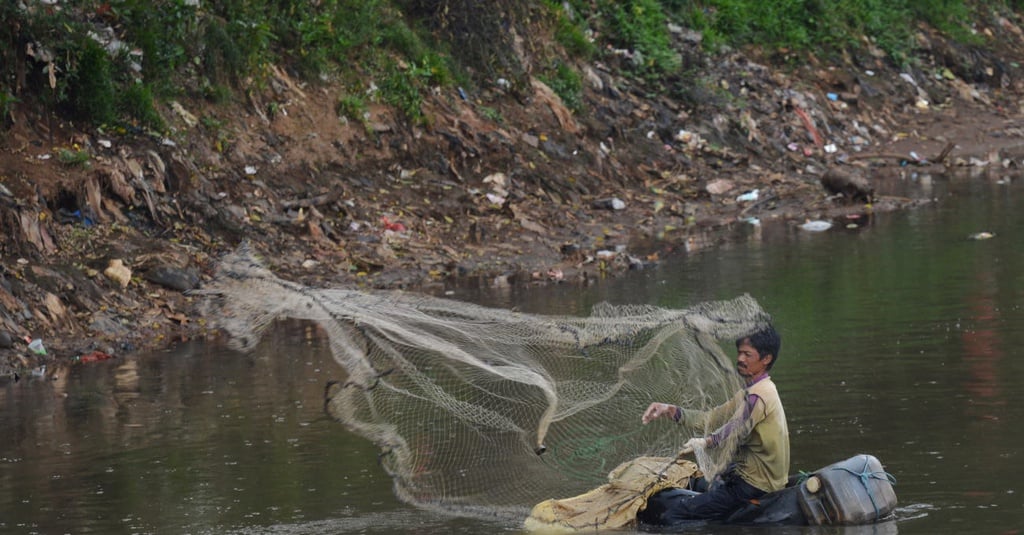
[[107, 230]]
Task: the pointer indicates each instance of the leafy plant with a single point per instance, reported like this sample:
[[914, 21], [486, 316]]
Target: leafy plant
[[570, 29], [567, 84], [642, 26], [401, 88], [7, 102], [136, 101], [92, 85], [353, 108], [491, 114], [73, 157]]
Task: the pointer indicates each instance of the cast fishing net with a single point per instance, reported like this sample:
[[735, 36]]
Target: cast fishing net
[[487, 412]]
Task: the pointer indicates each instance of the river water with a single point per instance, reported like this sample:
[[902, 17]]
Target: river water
[[902, 338]]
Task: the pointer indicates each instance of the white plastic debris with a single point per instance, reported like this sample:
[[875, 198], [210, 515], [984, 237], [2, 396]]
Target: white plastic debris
[[816, 226], [612, 203], [37, 347], [749, 196]]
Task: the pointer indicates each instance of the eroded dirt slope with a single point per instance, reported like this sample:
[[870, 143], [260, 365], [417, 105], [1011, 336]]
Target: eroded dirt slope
[[99, 250]]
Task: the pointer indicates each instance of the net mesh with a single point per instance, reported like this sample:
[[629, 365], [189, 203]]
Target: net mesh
[[462, 399]]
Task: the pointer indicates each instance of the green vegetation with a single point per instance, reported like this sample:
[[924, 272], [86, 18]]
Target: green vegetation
[[92, 85], [354, 109], [567, 84], [73, 157], [136, 103], [113, 61], [826, 26], [7, 102]]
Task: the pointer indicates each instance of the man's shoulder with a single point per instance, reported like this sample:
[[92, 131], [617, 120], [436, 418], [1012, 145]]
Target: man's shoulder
[[764, 387]]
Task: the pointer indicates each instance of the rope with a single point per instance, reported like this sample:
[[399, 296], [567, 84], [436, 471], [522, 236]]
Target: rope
[[803, 476], [865, 476]]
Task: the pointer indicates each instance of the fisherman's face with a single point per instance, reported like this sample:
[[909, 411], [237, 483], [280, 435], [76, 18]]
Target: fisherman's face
[[749, 362]]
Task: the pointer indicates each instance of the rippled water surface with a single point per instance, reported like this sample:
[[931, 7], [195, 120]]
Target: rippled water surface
[[902, 338]]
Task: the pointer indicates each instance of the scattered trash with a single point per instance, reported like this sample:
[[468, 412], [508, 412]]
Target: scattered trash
[[719, 186], [393, 226], [499, 188], [612, 203], [65, 216], [499, 180], [749, 196], [556, 274], [816, 226], [908, 78], [93, 356], [981, 236], [692, 140], [36, 346], [639, 263], [39, 372], [809, 125], [250, 170], [189, 119], [752, 221], [118, 272]]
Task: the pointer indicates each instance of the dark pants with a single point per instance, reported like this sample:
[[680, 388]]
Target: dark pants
[[725, 496]]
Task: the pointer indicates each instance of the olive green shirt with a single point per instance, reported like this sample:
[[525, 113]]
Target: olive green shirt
[[762, 453]]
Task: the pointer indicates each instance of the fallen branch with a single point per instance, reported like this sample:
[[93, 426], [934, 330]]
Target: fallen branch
[[319, 200], [809, 125], [940, 158], [764, 200]]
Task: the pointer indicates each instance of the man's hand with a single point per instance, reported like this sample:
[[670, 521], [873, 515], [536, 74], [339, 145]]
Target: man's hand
[[657, 410], [695, 444]]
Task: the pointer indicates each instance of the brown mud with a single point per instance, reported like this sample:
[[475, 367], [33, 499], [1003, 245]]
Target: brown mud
[[98, 254]]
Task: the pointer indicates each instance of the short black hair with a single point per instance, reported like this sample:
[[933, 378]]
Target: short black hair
[[766, 341]]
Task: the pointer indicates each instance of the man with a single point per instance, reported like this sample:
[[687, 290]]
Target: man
[[760, 462]]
